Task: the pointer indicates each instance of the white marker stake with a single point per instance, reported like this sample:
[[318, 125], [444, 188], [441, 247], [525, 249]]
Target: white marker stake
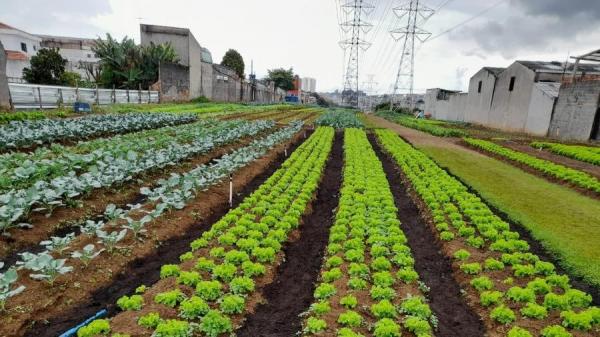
[[230, 190], [285, 151]]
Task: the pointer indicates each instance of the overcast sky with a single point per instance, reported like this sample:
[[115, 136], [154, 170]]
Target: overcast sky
[[304, 34]]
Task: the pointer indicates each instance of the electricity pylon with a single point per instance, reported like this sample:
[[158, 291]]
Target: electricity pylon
[[355, 10], [408, 34]]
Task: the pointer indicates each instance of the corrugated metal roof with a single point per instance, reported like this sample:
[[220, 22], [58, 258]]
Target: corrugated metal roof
[[559, 67], [549, 88]]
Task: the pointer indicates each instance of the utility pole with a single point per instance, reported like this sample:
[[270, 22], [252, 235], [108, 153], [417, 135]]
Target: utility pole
[[355, 10], [407, 34]]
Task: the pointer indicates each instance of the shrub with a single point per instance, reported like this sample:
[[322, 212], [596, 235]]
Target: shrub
[[214, 324], [386, 327], [383, 309], [503, 314], [126, 303], [95, 328], [350, 318], [533, 310], [482, 283], [173, 328], [150, 320]]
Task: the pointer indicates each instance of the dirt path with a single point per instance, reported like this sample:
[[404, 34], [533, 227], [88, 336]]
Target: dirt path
[[591, 169], [51, 311], [455, 317], [292, 291]]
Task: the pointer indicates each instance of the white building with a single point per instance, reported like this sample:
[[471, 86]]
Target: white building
[[308, 84], [78, 53], [20, 46]]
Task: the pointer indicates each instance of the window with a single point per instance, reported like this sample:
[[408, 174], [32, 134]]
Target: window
[[479, 87], [511, 87], [34, 48], [24, 46]]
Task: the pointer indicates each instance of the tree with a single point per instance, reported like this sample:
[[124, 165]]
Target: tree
[[234, 60], [283, 78], [47, 67], [127, 65]]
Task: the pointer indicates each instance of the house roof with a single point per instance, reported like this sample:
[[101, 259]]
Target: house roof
[[559, 67], [31, 36], [494, 70], [14, 55]]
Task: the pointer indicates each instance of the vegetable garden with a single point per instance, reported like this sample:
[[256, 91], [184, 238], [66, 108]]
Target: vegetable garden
[[219, 220]]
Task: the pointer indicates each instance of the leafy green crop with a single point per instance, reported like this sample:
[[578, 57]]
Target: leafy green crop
[[587, 154]]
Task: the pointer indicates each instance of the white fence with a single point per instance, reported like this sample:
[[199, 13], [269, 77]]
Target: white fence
[[35, 96]]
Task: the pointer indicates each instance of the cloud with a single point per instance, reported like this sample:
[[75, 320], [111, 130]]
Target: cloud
[[533, 26], [56, 17]]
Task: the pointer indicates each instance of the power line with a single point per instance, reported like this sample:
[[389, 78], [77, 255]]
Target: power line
[[468, 20]]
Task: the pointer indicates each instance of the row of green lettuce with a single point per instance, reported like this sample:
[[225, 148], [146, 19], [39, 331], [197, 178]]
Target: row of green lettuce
[[211, 286], [368, 285], [587, 154], [429, 126], [521, 293], [560, 172]]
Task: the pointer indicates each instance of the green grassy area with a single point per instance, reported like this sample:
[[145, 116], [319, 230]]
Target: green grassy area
[[565, 222]]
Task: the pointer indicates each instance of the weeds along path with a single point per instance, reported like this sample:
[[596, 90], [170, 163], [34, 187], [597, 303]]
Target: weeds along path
[[210, 205], [455, 317], [292, 290]]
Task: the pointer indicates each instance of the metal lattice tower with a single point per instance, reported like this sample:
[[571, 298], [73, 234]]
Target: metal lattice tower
[[408, 34], [355, 10]]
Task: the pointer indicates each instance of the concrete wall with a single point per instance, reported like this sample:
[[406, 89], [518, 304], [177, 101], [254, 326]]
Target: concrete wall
[[438, 105], [479, 103], [539, 113], [457, 107], [187, 48], [509, 108], [174, 82], [207, 80], [577, 106], [4, 93]]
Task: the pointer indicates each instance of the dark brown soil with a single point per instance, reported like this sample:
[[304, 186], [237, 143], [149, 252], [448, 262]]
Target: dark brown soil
[[455, 317], [146, 269], [292, 291]]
